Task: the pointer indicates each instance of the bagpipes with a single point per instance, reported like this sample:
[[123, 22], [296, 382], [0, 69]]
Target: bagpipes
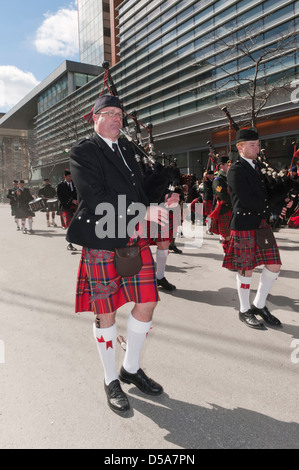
[[213, 156], [159, 179], [280, 188]]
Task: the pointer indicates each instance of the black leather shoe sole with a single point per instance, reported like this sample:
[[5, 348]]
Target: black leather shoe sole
[[250, 320], [266, 316], [140, 379], [117, 399]]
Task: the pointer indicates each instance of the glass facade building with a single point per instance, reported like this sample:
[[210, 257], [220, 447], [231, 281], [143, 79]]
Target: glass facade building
[[182, 61], [94, 31], [175, 55]]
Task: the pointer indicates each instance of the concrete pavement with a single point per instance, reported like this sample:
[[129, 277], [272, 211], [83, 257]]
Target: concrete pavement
[[226, 385]]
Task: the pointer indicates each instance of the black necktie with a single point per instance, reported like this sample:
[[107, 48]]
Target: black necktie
[[256, 167], [116, 150]]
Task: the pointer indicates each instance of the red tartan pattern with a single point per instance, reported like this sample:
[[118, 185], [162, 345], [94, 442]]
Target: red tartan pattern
[[100, 289], [66, 216], [294, 219], [207, 207], [243, 253], [221, 226]]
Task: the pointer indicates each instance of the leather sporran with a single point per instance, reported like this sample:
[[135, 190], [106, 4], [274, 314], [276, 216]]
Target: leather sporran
[[264, 237], [127, 260]]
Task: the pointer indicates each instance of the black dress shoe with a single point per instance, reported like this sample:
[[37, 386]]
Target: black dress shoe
[[250, 320], [165, 284], [117, 399], [266, 316], [175, 249], [71, 247], [142, 381]]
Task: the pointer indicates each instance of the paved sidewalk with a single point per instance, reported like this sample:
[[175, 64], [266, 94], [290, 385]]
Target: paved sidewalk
[[226, 385]]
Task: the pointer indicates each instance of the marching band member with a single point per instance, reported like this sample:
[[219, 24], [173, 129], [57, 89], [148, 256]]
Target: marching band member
[[23, 211], [208, 198], [12, 196], [68, 203], [222, 213], [250, 209], [104, 169], [48, 192]]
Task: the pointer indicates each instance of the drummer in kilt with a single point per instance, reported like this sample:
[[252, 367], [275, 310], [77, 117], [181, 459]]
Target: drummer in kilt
[[221, 216], [250, 210], [23, 210], [48, 192]]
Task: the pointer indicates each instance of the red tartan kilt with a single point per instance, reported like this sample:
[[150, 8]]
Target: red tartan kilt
[[243, 253], [207, 207], [100, 288], [66, 216], [221, 226]]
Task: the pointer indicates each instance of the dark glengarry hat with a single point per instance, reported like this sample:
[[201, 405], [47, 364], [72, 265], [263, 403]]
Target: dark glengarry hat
[[246, 135], [15, 181], [67, 172], [105, 101], [222, 160]]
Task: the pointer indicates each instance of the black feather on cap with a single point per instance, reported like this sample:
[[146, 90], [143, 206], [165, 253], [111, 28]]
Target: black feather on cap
[[246, 135], [106, 101]]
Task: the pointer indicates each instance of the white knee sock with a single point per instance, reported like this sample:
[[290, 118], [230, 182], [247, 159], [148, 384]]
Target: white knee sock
[[266, 282], [243, 287], [161, 260], [136, 335], [105, 339], [30, 223]]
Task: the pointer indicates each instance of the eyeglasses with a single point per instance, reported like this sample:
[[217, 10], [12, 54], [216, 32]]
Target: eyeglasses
[[112, 114]]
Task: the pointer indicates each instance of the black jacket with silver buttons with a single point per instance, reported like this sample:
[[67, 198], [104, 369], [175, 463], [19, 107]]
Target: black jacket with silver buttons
[[248, 196]]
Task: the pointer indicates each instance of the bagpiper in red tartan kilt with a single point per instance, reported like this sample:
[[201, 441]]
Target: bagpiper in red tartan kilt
[[243, 253], [100, 288], [221, 226], [67, 215]]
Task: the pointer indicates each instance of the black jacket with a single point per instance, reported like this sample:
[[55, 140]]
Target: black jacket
[[101, 178], [248, 196], [66, 195]]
